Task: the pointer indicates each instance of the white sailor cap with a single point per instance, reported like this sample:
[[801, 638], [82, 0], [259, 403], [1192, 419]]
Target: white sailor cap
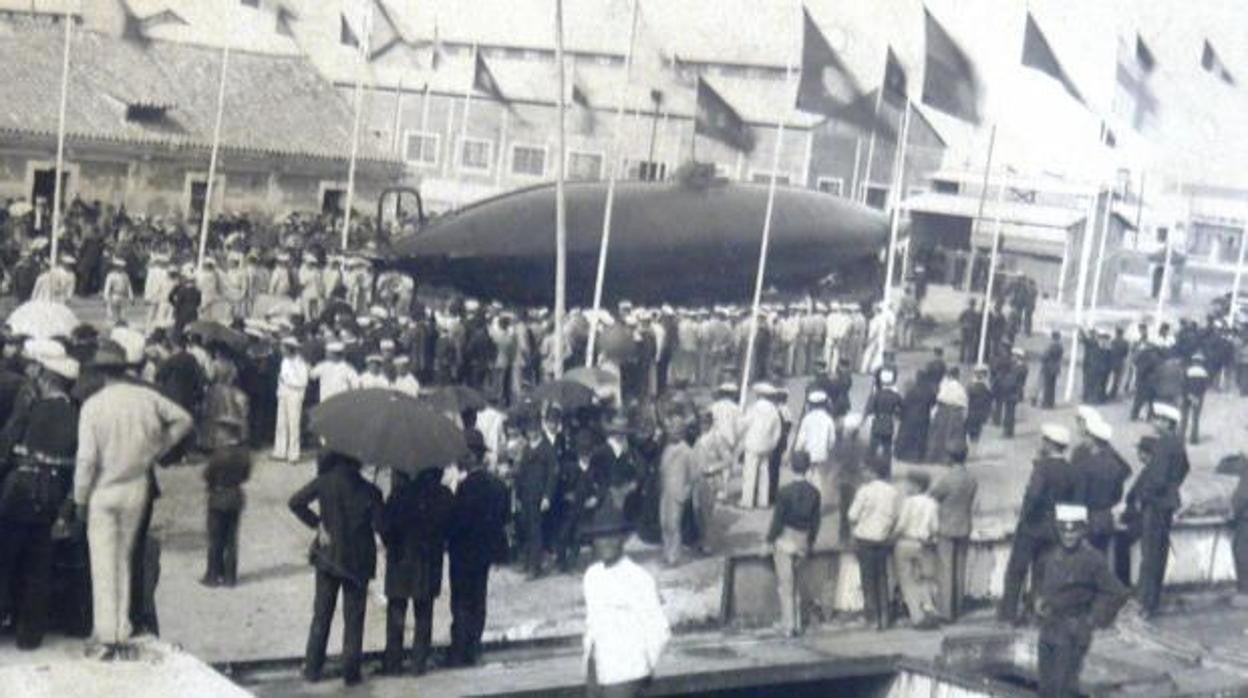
[[1166, 411], [1100, 429], [852, 421], [764, 389], [335, 347], [817, 397], [1056, 433], [386, 345], [1070, 513]]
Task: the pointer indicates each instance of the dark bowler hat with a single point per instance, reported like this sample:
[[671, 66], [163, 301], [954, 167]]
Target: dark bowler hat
[[608, 520], [109, 354]]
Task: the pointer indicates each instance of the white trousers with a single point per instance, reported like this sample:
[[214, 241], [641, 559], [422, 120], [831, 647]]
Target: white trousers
[[112, 522], [755, 485], [287, 431]]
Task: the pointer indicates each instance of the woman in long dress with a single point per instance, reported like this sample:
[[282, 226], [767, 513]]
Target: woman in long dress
[[948, 428]]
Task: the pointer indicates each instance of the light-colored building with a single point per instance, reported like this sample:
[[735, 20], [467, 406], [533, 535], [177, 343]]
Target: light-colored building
[[140, 119]]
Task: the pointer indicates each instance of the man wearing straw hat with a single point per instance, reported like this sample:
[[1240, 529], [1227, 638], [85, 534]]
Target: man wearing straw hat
[[122, 431]]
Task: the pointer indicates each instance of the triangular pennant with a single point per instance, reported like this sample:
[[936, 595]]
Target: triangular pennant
[[896, 85], [347, 35], [1038, 54], [716, 119], [1212, 63]]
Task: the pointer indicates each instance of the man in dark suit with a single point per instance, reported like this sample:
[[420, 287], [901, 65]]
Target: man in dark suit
[[414, 531], [1050, 368], [1155, 496], [344, 555], [536, 478], [580, 492], [475, 539]]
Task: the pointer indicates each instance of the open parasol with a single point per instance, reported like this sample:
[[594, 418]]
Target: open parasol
[[42, 319], [567, 394], [385, 427]]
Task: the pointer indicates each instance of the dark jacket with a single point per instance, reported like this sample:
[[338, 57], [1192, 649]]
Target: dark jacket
[[475, 534], [414, 531], [350, 511], [182, 380], [884, 408], [1163, 474], [537, 475], [1106, 474], [1053, 481]]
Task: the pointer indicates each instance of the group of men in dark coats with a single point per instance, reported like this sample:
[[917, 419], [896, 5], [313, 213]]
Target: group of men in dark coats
[[420, 522]]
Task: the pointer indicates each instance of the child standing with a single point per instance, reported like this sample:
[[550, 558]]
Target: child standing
[[117, 290], [228, 468]]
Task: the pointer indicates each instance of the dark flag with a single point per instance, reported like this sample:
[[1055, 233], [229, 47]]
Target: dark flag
[[385, 34], [131, 25], [827, 87], [950, 81], [717, 119], [895, 82], [580, 99], [483, 81], [1038, 54], [286, 21], [1212, 63], [1134, 100], [346, 35], [1144, 55], [1107, 136]]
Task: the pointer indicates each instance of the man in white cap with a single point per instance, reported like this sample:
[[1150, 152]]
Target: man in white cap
[[292, 382], [1077, 592], [1155, 495], [1105, 474], [816, 436], [760, 432], [405, 381], [1053, 481], [333, 373], [374, 375]]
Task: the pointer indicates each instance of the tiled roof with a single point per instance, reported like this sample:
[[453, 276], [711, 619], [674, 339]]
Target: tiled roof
[[276, 105]]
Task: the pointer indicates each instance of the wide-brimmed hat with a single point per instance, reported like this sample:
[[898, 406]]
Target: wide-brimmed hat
[[51, 355]]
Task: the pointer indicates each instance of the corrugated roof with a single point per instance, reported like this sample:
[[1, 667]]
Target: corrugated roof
[[274, 104]]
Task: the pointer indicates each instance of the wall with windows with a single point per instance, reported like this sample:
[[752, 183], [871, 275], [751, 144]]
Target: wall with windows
[[497, 149]]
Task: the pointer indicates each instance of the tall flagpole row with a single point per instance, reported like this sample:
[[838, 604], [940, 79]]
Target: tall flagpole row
[[206, 215], [1089, 222], [1239, 272], [58, 186], [983, 201], [609, 207], [865, 184]]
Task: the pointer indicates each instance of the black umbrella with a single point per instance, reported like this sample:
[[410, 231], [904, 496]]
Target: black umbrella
[[567, 394], [385, 427], [213, 331], [457, 398]]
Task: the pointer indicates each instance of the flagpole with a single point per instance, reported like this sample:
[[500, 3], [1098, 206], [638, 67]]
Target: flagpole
[[57, 194], [1100, 254], [561, 223], [992, 274], [866, 179], [502, 151], [398, 115], [1165, 270], [983, 201], [1080, 289], [763, 246], [355, 130], [898, 182], [424, 115], [206, 214], [457, 148], [609, 206], [1061, 274], [853, 176]]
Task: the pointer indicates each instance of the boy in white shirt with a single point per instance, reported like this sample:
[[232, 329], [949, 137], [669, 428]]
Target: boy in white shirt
[[625, 627]]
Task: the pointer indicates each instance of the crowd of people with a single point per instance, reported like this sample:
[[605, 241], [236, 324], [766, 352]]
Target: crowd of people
[[217, 361]]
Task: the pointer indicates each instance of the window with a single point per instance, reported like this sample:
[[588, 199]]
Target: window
[[528, 160], [831, 185], [476, 154], [196, 194], [877, 196], [645, 170], [422, 148], [586, 166], [765, 178]]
